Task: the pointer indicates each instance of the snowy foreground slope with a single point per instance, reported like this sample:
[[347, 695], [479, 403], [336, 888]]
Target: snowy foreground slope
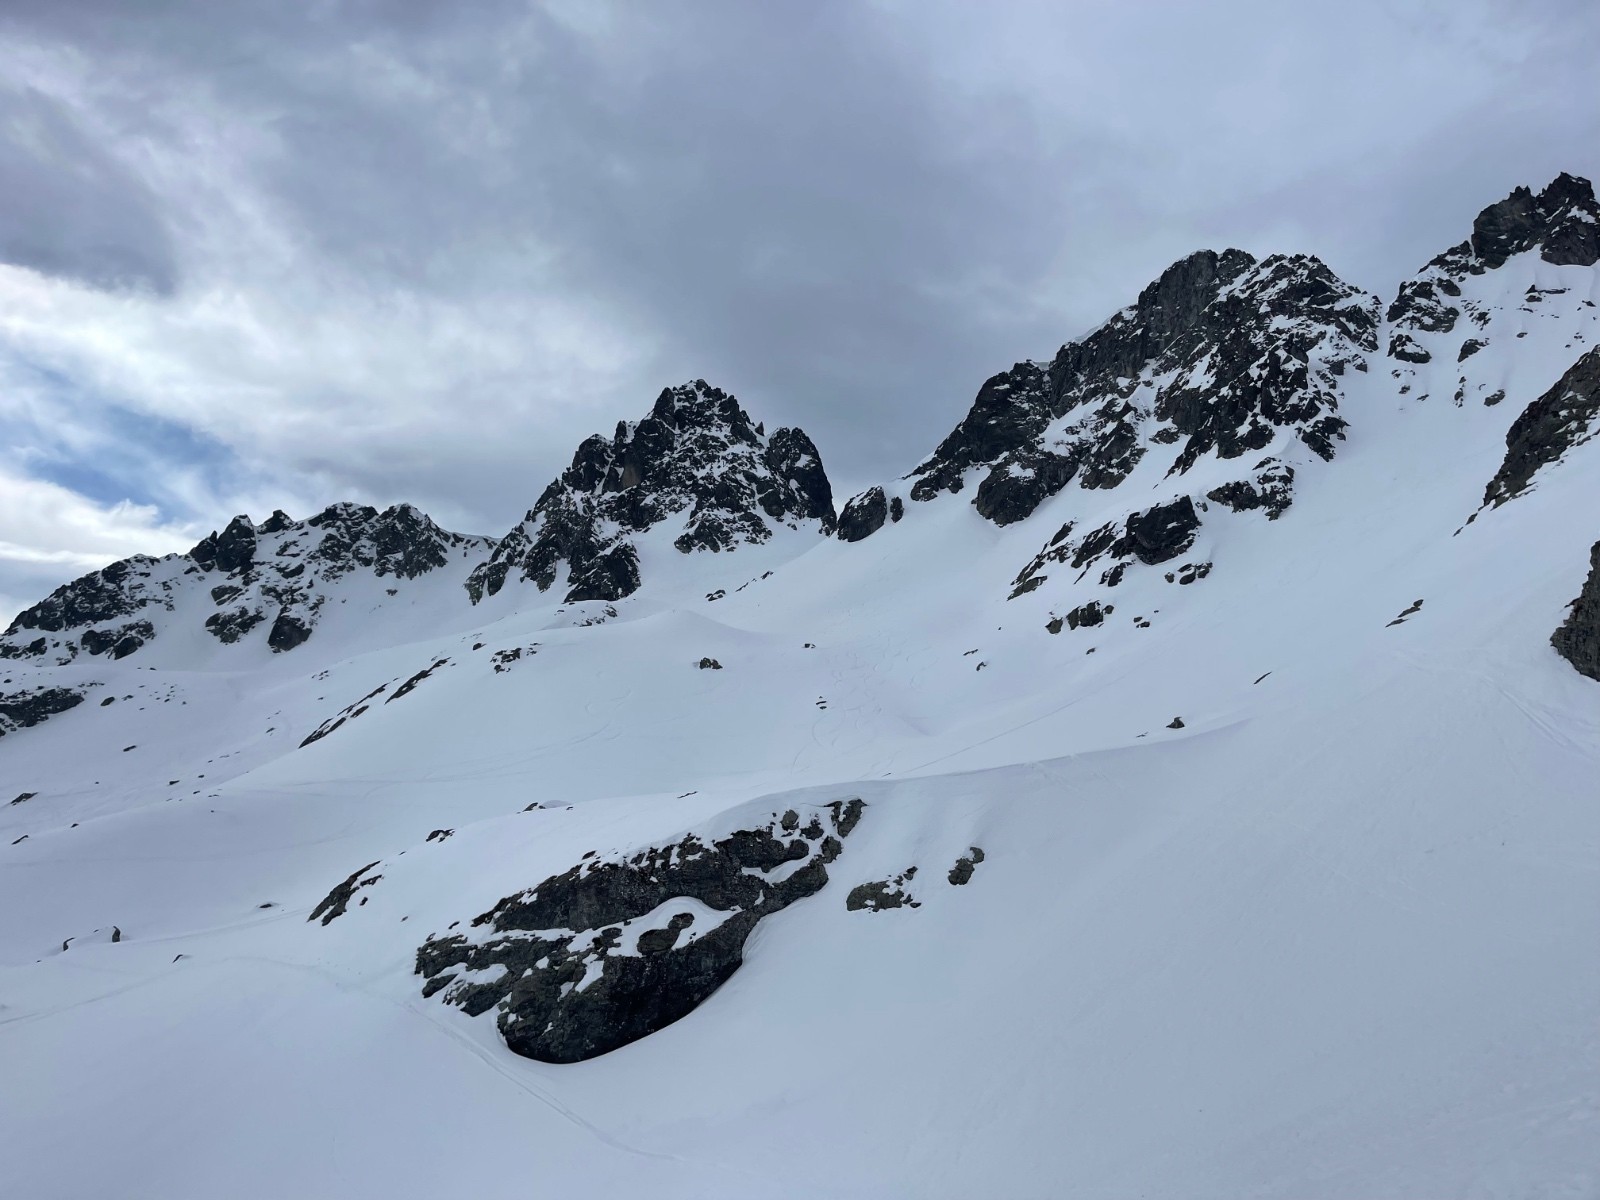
[[1225, 637]]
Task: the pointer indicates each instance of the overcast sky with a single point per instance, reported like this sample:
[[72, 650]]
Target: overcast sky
[[270, 255]]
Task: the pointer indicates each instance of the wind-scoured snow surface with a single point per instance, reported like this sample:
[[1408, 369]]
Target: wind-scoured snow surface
[[1288, 883]]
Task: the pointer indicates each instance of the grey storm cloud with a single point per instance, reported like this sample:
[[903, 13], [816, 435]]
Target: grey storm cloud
[[417, 250], [71, 207]]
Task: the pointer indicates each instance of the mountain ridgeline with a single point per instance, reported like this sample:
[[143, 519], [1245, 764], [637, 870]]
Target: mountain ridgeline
[[1204, 400], [269, 581]]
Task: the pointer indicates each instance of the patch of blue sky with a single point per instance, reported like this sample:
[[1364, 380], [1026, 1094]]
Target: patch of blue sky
[[104, 451]]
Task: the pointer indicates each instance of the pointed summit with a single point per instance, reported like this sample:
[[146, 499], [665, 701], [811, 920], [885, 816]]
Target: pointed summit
[[696, 462]]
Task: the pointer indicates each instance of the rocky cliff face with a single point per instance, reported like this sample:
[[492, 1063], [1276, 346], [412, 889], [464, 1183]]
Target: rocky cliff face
[[1449, 313], [696, 463], [615, 949], [1217, 357], [1565, 417], [269, 581], [1578, 638]]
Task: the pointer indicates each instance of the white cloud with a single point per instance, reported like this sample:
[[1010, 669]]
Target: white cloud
[[49, 534]]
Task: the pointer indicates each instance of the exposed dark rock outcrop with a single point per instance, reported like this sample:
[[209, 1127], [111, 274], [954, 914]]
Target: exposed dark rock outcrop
[[1270, 489], [280, 571], [231, 552], [91, 599], [1089, 615], [335, 902], [24, 709], [1566, 416], [1008, 416], [230, 625], [348, 713], [879, 895], [1406, 613], [1031, 477], [615, 949], [1189, 573], [411, 683], [961, 874], [1161, 533], [1562, 222], [287, 632], [18, 648], [401, 688], [1218, 354], [118, 642], [696, 460], [793, 459], [1154, 535], [1578, 638], [863, 515], [1274, 350]]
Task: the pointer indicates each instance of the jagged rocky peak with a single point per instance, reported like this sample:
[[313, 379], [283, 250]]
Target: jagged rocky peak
[[1270, 353], [402, 541], [1562, 223], [276, 574], [1014, 408], [1220, 355], [696, 462]]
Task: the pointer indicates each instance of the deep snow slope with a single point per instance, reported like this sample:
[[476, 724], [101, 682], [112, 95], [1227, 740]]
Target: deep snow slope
[[1228, 824]]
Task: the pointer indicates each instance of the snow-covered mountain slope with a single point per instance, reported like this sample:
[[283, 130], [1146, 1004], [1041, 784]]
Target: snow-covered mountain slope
[[1246, 846], [274, 583], [1207, 396]]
